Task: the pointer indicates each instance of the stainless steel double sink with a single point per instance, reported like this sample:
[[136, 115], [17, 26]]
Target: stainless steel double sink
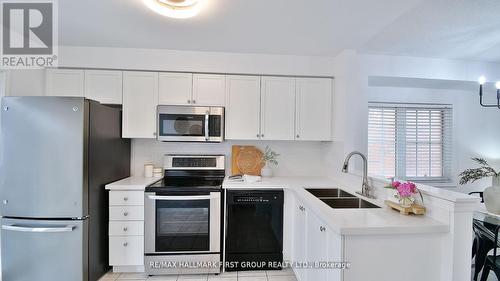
[[340, 199]]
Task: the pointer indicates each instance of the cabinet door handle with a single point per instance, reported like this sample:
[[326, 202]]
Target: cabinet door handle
[[322, 228], [125, 244], [125, 199], [125, 229], [125, 214], [298, 136], [189, 101], [194, 101], [262, 135]]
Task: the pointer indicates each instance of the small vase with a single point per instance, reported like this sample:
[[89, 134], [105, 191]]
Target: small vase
[[405, 201], [266, 171], [492, 196]]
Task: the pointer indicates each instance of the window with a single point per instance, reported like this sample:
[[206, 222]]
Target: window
[[410, 141]]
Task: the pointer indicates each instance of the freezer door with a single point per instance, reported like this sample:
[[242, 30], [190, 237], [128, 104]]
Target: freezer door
[[43, 170], [44, 250]]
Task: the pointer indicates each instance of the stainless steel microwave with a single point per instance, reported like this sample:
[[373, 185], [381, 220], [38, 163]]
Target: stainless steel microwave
[[190, 123]]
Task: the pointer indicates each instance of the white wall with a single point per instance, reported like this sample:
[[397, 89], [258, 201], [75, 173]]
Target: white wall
[[296, 158]]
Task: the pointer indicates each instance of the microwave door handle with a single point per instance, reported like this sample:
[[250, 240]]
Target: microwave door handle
[[207, 117], [13, 227], [180, 198]]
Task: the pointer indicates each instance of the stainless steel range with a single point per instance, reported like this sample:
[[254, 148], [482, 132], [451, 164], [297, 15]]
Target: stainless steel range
[[183, 216]]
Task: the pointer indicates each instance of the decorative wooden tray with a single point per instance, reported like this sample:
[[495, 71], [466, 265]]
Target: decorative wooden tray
[[246, 160], [415, 208]]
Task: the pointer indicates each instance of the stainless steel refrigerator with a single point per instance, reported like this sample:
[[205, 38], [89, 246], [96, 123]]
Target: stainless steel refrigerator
[[57, 155]]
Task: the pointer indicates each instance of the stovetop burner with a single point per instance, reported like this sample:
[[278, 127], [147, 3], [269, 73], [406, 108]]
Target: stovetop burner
[[185, 184], [191, 173]]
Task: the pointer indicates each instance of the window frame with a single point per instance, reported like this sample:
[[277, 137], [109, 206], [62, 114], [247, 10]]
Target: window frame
[[401, 134]]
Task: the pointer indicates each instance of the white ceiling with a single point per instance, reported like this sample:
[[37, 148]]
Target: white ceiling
[[462, 29]]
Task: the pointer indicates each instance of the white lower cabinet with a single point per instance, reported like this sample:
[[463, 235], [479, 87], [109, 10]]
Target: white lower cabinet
[[119, 228], [126, 230], [299, 240], [314, 245], [126, 213], [126, 250]]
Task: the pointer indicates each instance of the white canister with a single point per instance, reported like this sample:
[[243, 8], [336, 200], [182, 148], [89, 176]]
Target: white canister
[[148, 170], [157, 172]]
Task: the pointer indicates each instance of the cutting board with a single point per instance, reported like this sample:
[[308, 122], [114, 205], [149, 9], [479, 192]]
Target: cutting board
[[246, 159], [414, 208]]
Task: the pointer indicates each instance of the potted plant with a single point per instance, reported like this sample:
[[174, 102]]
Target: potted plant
[[269, 158], [404, 192], [491, 194]]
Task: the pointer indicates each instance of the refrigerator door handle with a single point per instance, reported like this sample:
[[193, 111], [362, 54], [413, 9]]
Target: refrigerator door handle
[[19, 228]]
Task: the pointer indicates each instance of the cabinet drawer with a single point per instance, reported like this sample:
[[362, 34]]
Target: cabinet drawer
[[126, 213], [121, 228], [126, 250], [128, 198]]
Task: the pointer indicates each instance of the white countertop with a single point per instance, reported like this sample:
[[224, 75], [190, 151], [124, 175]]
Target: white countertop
[[343, 221], [132, 183], [348, 221]]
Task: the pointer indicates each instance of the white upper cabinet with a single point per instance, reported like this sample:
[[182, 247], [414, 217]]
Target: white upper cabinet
[[278, 108], [64, 82], [175, 88], [314, 109], [104, 86], [140, 99], [209, 89], [243, 107]]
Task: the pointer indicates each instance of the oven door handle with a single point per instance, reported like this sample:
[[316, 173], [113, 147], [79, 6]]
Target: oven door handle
[[207, 118], [181, 198]]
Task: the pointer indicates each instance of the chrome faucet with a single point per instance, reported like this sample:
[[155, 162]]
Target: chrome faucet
[[366, 189]]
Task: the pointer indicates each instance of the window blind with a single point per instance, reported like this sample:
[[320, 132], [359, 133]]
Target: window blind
[[410, 141], [382, 141]]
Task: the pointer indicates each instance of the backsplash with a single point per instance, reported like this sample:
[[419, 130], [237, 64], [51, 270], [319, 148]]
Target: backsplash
[[296, 158]]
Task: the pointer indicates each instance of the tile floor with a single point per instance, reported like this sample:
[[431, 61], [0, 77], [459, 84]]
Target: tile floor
[[282, 275]]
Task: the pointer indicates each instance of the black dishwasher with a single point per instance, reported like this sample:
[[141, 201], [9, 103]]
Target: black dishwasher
[[254, 237]]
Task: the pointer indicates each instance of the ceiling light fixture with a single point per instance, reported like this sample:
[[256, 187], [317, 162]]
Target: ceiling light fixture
[[179, 9]]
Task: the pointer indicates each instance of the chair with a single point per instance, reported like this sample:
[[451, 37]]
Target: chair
[[492, 262], [480, 195]]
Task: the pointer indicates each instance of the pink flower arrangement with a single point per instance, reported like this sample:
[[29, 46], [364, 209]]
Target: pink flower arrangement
[[406, 189]]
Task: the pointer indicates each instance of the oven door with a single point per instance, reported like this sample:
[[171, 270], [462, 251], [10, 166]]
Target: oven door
[[190, 123], [177, 224]]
